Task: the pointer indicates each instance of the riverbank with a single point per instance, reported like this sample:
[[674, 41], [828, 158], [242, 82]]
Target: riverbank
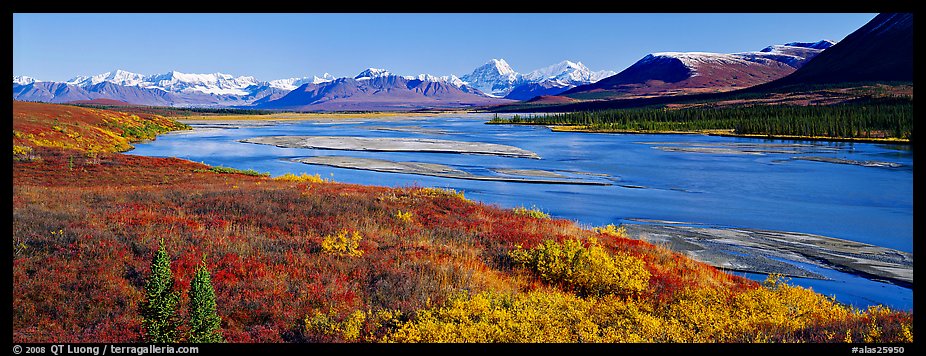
[[311, 116], [723, 133]]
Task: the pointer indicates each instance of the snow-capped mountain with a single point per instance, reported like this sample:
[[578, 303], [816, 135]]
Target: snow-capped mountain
[[189, 83], [568, 72], [428, 77], [821, 45], [371, 73], [793, 54], [669, 73], [172, 88], [118, 76], [378, 89], [214, 83], [449, 79], [495, 78], [23, 80], [293, 83]]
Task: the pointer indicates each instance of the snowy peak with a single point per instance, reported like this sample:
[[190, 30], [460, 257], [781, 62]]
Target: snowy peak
[[214, 83], [122, 77], [501, 66], [569, 73], [371, 73], [118, 76], [23, 80], [449, 79], [173, 81], [557, 69], [425, 78], [822, 44], [819, 45], [324, 78], [293, 83], [495, 78], [455, 81]]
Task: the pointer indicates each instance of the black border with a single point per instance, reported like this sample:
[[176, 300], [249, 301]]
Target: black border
[[471, 6], [637, 6]]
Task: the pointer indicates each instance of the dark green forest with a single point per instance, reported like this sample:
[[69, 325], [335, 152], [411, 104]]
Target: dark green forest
[[861, 118]]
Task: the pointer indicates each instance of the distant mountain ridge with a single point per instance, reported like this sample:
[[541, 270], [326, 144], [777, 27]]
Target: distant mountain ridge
[[378, 89], [224, 90], [166, 89]]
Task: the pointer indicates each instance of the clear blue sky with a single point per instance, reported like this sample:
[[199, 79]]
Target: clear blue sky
[[272, 46]]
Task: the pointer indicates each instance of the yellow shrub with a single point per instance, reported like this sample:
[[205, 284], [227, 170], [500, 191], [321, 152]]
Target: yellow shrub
[[359, 325], [537, 316], [587, 270], [778, 310], [533, 212], [436, 192], [773, 313], [612, 230], [21, 150], [405, 217], [345, 243], [302, 178]]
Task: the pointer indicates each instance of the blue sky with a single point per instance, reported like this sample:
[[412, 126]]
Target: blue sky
[[273, 46]]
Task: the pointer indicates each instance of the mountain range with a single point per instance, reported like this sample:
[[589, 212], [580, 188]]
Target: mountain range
[[378, 89], [486, 85]]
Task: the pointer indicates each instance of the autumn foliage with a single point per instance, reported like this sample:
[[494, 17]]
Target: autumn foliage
[[434, 266], [85, 129]]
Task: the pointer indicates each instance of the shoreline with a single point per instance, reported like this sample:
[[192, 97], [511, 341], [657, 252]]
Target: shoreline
[[721, 133], [320, 117]]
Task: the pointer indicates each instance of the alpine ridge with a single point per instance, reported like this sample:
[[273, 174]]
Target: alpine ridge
[[673, 73], [378, 89]]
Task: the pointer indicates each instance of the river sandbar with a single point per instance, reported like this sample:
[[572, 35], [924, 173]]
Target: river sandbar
[[357, 143], [428, 169], [767, 251]]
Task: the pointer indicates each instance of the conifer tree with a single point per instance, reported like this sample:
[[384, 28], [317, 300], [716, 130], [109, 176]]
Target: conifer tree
[[159, 310], [204, 322]]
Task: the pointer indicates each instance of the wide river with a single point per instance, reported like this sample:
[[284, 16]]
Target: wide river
[[719, 181]]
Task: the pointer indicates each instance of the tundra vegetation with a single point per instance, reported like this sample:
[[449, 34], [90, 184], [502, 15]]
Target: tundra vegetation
[[301, 259]]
